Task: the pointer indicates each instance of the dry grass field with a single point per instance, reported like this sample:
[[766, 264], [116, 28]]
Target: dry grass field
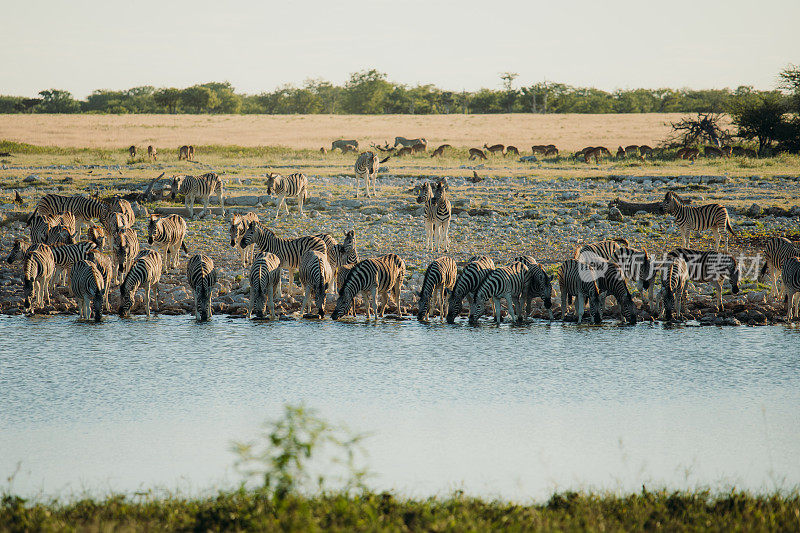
[[568, 132]]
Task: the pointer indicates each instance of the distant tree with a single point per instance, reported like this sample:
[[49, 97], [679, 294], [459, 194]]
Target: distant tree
[[57, 101], [705, 128], [761, 118], [199, 99], [509, 94], [367, 92], [11, 104], [168, 98]]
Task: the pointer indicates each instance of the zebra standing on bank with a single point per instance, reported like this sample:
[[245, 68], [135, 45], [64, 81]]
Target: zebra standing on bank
[[790, 275], [59, 234], [579, 280], [701, 218], [265, 284], [776, 251], [368, 278], [439, 277], [366, 166], [539, 285], [88, 288], [436, 215], [611, 281], [126, 248], [315, 276], [331, 245], [65, 255], [37, 271], [104, 266], [167, 233], [346, 253], [467, 283], [119, 216], [239, 225], [293, 185], [201, 187], [509, 282], [637, 266], [202, 277], [710, 266], [674, 283], [289, 251], [604, 249], [84, 209], [146, 271], [41, 225]]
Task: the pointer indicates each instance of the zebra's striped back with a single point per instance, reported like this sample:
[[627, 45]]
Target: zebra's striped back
[[611, 280], [66, 255], [203, 185], [380, 274], [605, 249], [776, 251], [504, 282], [440, 274], [577, 279], [790, 275], [119, 216], [84, 209], [59, 234], [87, 285], [316, 276], [265, 279], [292, 185], [674, 282], [239, 225], [202, 277], [169, 230], [705, 266], [146, 269], [332, 246], [288, 251], [467, 282], [635, 264]]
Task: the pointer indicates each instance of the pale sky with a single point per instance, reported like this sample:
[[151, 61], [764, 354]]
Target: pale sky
[[82, 45]]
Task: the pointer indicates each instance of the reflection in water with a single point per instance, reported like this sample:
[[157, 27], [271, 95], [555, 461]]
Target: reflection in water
[[511, 412]]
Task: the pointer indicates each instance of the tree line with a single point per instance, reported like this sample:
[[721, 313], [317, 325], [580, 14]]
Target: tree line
[[370, 92]]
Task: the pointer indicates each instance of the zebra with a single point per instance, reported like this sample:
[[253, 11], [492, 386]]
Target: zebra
[[40, 225], [126, 248], [539, 286], [579, 280], [167, 233], [315, 275], [342, 144], [119, 216], [345, 252], [293, 185], [409, 142], [202, 187], [265, 284], [59, 234], [688, 218], [509, 282], [84, 209], [238, 227], [436, 215], [467, 283], [331, 245], [97, 235], [146, 270], [604, 249], [636, 266], [366, 166], [19, 249], [790, 275], [710, 266], [103, 264], [88, 288], [289, 251], [370, 277], [776, 251], [611, 280], [37, 271], [439, 276], [674, 283], [66, 255], [202, 277], [341, 276]]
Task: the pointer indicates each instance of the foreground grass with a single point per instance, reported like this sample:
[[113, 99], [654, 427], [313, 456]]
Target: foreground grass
[[245, 510]]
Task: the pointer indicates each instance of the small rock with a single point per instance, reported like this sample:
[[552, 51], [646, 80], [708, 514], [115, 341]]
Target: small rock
[[614, 215], [31, 179], [755, 210]]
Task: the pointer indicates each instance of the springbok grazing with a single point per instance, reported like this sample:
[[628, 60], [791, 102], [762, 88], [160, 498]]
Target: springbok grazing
[[596, 153], [539, 149], [152, 153], [405, 150], [739, 151], [409, 142], [713, 151], [419, 147], [132, 151], [621, 153], [476, 153], [493, 149], [688, 153], [633, 150], [323, 150], [440, 151], [551, 151], [645, 150], [183, 152], [191, 153], [345, 145], [512, 150]]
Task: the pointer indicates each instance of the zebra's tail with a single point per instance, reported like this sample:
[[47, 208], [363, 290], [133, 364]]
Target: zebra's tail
[[184, 248], [32, 216], [729, 227], [763, 270]]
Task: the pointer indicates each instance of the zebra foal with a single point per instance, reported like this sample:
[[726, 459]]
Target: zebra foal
[[145, 271], [265, 284], [202, 277], [439, 277]]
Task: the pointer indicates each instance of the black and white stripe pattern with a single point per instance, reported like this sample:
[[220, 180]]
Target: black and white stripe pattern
[[636, 266], [467, 283], [604, 249], [611, 281], [88, 288], [42, 227], [509, 282], [18, 250], [126, 248], [341, 276], [265, 284], [119, 216], [776, 251], [289, 251], [701, 218], [331, 245], [97, 235], [370, 277], [104, 266], [710, 266], [60, 234], [579, 280], [293, 185], [85, 209], [539, 285], [366, 167], [239, 225], [66, 255], [37, 271], [315, 276], [201, 187], [145, 271], [202, 277], [167, 233], [437, 214], [790, 275], [674, 281], [439, 276]]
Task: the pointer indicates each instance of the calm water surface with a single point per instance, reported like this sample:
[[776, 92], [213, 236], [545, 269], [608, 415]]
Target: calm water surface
[[508, 412]]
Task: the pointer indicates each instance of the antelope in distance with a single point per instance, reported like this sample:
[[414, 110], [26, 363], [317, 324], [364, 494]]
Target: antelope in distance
[[409, 142], [132, 151], [191, 153], [551, 151], [345, 145], [418, 148], [645, 150], [323, 150], [476, 153], [512, 150], [440, 151], [579, 153], [621, 153], [540, 149], [688, 153], [493, 149], [405, 150], [713, 151], [151, 153], [596, 153], [183, 152]]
